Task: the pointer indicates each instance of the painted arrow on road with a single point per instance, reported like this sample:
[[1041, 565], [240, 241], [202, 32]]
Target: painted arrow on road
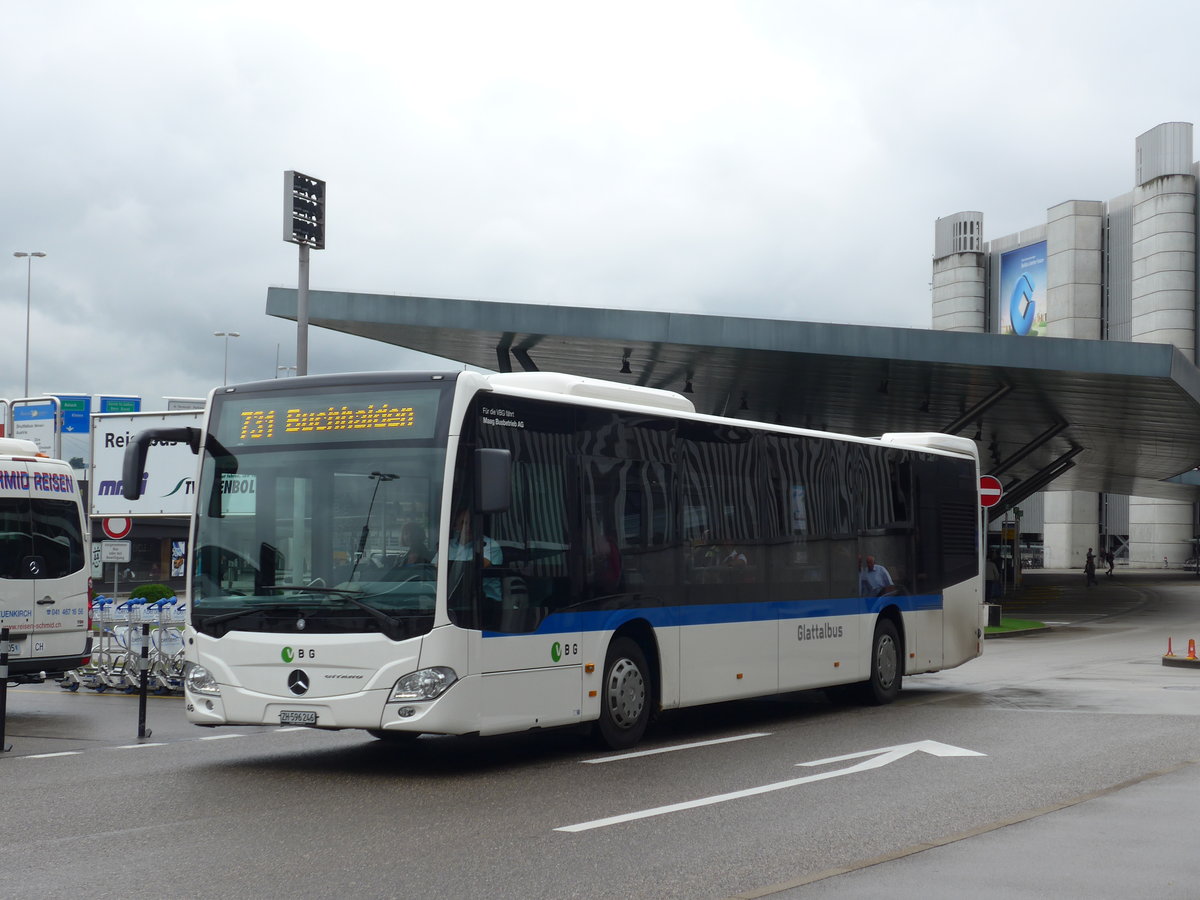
[[871, 759]]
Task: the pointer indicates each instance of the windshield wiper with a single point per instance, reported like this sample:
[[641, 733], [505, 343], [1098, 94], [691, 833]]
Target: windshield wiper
[[249, 611], [309, 589], [388, 622]]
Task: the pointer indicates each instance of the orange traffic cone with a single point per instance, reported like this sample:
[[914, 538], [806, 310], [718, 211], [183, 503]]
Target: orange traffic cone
[[1192, 649], [1170, 652]]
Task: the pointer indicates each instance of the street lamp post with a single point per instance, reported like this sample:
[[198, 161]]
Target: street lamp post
[[227, 335], [28, 256]]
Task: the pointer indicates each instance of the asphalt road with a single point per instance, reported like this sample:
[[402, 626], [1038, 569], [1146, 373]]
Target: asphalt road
[[1062, 763]]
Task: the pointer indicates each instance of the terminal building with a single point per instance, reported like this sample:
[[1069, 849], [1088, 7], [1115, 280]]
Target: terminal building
[[1117, 270]]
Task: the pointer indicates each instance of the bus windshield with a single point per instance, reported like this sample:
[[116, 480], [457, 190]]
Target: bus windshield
[[326, 527]]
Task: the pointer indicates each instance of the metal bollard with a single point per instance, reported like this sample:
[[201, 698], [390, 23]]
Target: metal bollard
[[143, 666], [4, 748]]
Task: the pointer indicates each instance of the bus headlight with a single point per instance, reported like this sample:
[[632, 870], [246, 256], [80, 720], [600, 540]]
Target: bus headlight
[[199, 680], [424, 684]]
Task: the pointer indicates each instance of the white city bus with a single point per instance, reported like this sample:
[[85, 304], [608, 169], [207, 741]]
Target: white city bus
[[45, 569], [416, 553]]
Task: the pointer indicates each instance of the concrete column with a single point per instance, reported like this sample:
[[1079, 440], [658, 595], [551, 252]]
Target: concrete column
[[1158, 529], [1164, 262], [1074, 269], [1072, 525], [1164, 307], [959, 301]]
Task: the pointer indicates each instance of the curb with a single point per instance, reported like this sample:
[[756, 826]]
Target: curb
[[1017, 633], [1181, 662]]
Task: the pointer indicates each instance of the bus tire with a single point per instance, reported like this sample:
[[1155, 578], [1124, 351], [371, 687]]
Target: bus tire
[[887, 665], [625, 697]]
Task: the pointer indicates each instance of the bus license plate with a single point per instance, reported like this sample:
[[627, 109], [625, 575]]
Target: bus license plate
[[297, 717]]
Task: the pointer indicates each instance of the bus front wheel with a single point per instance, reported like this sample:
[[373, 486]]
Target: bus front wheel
[[624, 695], [887, 665]]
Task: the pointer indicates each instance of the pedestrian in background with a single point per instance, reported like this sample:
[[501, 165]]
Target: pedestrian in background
[[992, 577], [1089, 569]]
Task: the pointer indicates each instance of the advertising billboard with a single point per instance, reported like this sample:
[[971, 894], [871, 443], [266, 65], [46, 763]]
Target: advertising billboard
[[170, 484], [1021, 302]]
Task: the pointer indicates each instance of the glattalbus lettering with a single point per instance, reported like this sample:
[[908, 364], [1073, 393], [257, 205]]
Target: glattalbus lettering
[[824, 631]]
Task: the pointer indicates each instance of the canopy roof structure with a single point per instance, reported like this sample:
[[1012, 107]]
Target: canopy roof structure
[[1081, 415]]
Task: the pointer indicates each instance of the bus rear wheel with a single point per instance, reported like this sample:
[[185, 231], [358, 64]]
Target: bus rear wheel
[[887, 665], [624, 695]]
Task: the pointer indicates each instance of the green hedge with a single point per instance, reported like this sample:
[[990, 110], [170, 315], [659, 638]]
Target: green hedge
[[151, 592]]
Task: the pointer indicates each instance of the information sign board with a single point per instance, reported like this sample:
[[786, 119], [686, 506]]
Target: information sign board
[[115, 551]]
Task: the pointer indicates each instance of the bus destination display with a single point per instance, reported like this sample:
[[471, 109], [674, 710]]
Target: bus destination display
[[285, 420]]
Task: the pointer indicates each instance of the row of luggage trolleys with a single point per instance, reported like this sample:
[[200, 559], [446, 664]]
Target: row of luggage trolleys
[[116, 647]]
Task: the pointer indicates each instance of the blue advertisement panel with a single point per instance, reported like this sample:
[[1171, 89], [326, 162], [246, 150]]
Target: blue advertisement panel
[[1022, 297]]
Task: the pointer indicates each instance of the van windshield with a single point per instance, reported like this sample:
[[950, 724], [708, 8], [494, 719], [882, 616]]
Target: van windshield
[[44, 528]]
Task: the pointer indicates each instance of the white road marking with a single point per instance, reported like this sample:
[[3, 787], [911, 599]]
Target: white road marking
[[874, 759], [219, 737], [52, 755], [728, 740], [139, 746]]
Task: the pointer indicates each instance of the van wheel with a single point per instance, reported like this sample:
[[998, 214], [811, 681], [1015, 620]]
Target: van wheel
[[887, 665], [624, 695]]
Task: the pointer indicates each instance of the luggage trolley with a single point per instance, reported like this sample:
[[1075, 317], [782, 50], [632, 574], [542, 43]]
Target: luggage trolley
[[166, 645]]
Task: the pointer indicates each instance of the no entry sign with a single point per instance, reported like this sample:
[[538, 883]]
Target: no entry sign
[[990, 490], [117, 528]]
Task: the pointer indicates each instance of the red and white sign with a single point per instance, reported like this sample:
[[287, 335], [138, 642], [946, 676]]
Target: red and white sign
[[990, 490], [117, 528]]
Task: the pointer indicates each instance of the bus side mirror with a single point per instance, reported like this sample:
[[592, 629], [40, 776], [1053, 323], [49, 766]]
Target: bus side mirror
[[493, 480], [133, 467]]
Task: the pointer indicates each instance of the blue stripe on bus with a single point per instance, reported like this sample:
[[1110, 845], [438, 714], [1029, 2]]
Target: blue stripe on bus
[[725, 613]]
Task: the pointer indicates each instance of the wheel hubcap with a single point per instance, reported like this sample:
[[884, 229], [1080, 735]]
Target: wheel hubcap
[[886, 661], [626, 693]]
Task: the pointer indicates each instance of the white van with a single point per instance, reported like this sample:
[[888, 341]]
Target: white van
[[45, 565]]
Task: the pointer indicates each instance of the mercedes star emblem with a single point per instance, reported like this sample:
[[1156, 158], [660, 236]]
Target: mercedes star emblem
[[298, 682]]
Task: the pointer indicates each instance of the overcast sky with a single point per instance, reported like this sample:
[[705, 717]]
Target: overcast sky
[[768, 159]]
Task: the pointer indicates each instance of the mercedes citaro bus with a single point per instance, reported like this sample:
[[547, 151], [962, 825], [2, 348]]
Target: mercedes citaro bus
[[424, 553]]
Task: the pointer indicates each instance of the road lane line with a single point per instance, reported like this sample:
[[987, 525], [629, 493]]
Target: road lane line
[[52, 755], [728, 740], [694, 804]]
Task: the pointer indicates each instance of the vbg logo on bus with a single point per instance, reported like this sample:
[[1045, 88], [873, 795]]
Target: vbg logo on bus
[[559, 650]]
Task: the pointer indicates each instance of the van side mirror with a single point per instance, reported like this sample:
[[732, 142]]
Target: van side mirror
[[493, 480]]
